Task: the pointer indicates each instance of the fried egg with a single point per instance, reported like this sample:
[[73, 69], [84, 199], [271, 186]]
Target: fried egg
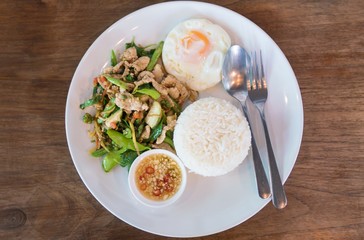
[[194, 52]]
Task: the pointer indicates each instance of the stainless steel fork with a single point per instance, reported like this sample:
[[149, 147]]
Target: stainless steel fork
[[258, 93]]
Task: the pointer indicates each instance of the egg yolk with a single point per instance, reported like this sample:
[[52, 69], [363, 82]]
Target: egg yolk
[[196, 43]]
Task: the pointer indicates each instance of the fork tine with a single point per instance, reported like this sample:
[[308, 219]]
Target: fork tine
[[254, 70], [249, 79], [249, 82], [258, 72], [262, 75], [255, 83]]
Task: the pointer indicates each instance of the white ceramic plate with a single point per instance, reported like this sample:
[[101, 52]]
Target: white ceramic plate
[[208, 205]]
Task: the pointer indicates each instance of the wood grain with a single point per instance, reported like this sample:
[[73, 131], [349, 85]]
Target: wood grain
[[41, 194]]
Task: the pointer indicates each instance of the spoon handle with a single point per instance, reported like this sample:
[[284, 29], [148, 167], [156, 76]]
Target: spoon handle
[[261, 177]]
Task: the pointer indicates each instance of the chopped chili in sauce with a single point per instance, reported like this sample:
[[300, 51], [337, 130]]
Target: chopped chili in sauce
[[158, 177]]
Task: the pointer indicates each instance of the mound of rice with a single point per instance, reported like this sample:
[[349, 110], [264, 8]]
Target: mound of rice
[[212, 137]]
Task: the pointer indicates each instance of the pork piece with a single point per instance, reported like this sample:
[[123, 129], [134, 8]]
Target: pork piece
[[126, 72], [148, 77], [193, 95], [164, 146], [118, 67], [108, 70], [111, 92], [129, 55], [145, 75], [129, 103], [171, 123], [113, 70], [129, 87], [176, 89], [173, 92], [158, 73], [146, 99], [140, 64], [145, 134]]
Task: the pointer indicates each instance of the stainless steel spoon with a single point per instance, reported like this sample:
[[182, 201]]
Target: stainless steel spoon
[[234, 76]]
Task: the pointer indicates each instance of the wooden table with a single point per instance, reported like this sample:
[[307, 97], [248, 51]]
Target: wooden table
[[43, 197]]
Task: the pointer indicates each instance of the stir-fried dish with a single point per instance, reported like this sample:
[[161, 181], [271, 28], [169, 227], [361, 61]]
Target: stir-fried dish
[[137, 104]]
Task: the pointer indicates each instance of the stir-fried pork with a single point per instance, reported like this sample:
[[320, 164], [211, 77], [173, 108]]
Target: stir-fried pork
[[129, 55], [158, 73], [171, 123], [140, 64], [146, 133], [129, 103]]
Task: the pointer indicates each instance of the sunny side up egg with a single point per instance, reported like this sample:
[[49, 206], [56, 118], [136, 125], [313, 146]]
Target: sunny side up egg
[[194, 52]]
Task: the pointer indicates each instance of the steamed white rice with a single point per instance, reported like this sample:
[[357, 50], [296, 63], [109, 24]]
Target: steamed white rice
[[212, 137]]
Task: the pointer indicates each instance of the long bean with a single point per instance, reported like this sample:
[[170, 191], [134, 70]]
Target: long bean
[[114, 60], [157, 53], [150, 92], [124, 142], [112, 159], [117, 82], [156, 132], [90, 101], [99, 152]]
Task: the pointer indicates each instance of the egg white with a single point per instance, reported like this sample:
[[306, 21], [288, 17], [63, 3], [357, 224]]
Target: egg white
[[194, 52]]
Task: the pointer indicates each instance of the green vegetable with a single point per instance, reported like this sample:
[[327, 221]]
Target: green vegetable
[[99, 152], [127, 158], [169, 141], [124, 142], [127, 133], [168, 106], [129, 78], [114, 60], [156, 132], [141, 51], [169, 134], [87, 118], [140, 129], [109, 108], [100, 120], [154, 115], [114, 118], [150, 92], [116, 82], [133, 137], [95, 99], [176, 107], [112, 159], [157, 53], [165, 104]]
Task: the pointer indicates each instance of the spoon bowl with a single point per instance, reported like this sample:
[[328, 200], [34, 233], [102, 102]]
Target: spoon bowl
[[235, 70]]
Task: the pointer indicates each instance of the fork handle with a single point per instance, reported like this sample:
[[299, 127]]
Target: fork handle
[[261, 177], [279, 198]]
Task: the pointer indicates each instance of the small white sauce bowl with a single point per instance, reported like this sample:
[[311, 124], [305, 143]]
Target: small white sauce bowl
[[134, 188]]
